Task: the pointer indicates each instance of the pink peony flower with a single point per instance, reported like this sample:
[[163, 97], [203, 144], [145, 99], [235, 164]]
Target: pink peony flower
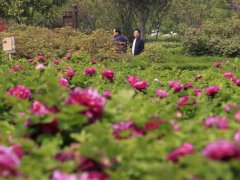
[[161, 94], [93, 175], [89, 71], [63, 82], [234, 79], [108, 74], [89, 98], [176, 86], [185, 101], [40, 67], [68, 56], [237, 136], [218, 64], [219, 122], [30, 60], [175, 126], [41, 59], [39, 108], [212, 90], [69, 69], [126, 130], [188, 85], [141, 85], [221, 150], [228, 75], [20, 92], [17, 68], [58, 175], [107, 94], [184, 150], [237, 116], [229, 107], [10, 160]]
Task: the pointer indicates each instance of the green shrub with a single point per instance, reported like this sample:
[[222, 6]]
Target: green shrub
[[31, 41], [214, 39]]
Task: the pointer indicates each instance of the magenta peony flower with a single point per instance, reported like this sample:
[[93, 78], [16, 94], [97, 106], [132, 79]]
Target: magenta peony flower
[[197, 92], [20, 92], [94, 61], [132, 80], [188, 85], [93, 175], [212, 90], [237, 82], [17, 68], [141, 85], [63, 82], [10, 160], [153, 124], [89, 98], [183, 101], [107, 94], [126, 130], [176, 86], [221, 150], [228, 75], [41, 59], [56, 62], [58, 175], [161, 94], [68, 56], [218, 64], [219, 122], [137, 83], [237, 136], [185, 149], [108, 74], [89, 71], [70, 74], [69, 69], [39, 108], [40, 67]]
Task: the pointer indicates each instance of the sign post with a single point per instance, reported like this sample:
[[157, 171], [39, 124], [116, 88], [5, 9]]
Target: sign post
[[9, 46]]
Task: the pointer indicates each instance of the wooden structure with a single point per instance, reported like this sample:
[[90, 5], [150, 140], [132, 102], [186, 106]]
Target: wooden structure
[[2, 24], [70, 18]]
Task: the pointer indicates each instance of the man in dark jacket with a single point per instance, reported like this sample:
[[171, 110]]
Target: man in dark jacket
[[138, 43], [120, 41]]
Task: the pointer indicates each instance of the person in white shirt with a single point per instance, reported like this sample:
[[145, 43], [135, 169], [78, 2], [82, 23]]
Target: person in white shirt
[[138, 43]]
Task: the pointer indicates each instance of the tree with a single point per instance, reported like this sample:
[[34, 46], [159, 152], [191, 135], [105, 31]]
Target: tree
[[144, 12], [30, 11]]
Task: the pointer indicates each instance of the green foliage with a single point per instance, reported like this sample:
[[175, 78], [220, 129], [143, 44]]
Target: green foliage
[[214, 39]]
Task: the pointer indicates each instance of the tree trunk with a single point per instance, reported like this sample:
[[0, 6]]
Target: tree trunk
[[142, 25]]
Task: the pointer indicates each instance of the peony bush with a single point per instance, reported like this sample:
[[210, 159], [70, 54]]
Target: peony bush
[[74, 119]]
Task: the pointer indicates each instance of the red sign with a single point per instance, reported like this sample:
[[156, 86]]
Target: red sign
[[2, 27]]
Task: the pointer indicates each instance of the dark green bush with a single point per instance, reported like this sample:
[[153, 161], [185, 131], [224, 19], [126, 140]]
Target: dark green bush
[[214, 39]]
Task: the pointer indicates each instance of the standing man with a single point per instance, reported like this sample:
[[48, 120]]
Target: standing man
[[138, 43], [120, 41]]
